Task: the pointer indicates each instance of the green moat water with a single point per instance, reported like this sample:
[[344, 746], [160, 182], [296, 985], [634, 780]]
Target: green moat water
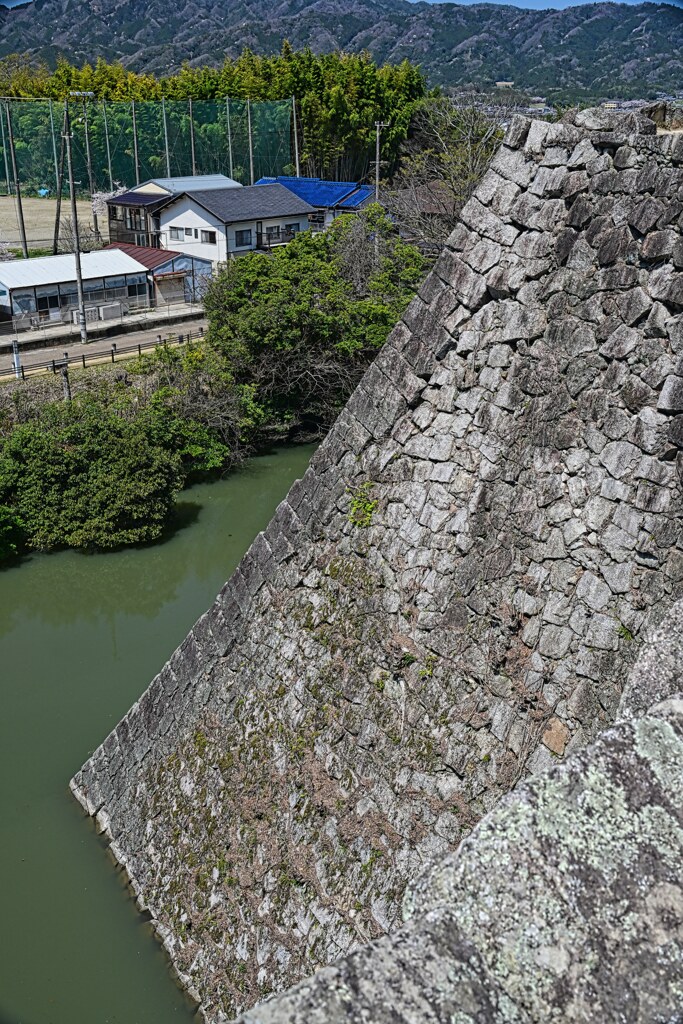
[[80, 638]]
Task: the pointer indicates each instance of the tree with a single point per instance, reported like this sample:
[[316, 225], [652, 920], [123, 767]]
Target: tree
[[83, 476], [449, 149], [299, 326], [11, 533]]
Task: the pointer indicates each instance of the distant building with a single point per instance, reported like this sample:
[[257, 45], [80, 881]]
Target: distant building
[[504, 85], [133, 215], [116, 281], [220, 223], [330, 198], [171, 276], [41, 290]]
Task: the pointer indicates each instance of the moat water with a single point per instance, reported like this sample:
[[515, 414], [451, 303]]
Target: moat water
[[81, 636]]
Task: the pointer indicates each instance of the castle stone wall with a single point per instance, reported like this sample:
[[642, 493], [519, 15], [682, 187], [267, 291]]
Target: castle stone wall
[[450, 598]]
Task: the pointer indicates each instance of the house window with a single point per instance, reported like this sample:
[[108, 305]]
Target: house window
[[209, 237], [188, 232], [242, 238], [292, 228], [177, 234]]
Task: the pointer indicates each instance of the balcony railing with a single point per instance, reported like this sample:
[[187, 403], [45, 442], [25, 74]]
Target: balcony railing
[[271, 239]]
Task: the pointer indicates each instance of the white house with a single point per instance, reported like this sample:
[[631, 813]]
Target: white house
[[133, 215], [219, 223]]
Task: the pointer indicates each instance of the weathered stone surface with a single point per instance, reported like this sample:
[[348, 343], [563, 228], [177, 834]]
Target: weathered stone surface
[[448, 600], [565, 902]]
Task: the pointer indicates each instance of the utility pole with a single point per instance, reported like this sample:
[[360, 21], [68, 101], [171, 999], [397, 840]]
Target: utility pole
[[84, 96], [88, 157], [296, 140], [168, 156], [13, 158], [378, 128], [74, 221], [251, 143], [194, 163], [135, 145]]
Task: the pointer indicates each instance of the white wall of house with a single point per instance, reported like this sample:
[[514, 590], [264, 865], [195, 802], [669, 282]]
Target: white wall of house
[[192, 219], [188, 217]]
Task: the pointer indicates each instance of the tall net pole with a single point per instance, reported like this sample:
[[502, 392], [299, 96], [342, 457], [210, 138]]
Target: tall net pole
[[135, 145], [194, 162], [251, 143], [17, 187], [54, 144], [227, 110], [168, 155], [4, 151], [296, 139], [88, 157], [60, 188], [106, 142], [74, 228]]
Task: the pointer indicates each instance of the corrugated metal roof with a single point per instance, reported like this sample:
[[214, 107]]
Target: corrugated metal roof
[[253, 202], [150, 258], [358, 198], [195, 183], [153, 258], [60, 269], [315, 191], [138, 199]]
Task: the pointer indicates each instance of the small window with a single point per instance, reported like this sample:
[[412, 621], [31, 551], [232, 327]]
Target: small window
[[177, 234], [242, 238], [209, 237], [188, 232], [293, 228], [196, 233]]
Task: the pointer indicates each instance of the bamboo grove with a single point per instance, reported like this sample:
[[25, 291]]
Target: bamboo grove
[[339, 97]]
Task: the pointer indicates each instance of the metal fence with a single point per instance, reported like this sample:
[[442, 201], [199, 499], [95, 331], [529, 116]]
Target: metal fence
[[133, 141], [85, 359]]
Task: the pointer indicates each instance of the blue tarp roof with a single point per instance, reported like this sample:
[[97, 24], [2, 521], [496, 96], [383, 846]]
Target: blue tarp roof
[[360, 196], [318, 192]]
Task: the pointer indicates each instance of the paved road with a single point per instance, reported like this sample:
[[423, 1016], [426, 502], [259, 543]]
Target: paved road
[[102, 345]]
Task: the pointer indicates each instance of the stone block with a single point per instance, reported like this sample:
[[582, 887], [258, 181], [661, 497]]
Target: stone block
[[487, 223], [593, 591], [671, 396]]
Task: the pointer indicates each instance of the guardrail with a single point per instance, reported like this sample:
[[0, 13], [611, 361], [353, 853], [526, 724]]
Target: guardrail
[[84, 359]]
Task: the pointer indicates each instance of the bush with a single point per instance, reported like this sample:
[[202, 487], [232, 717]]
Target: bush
[[11, 533], [82, 476], [300, 326]]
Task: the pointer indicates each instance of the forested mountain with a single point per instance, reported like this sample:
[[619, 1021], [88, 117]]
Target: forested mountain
[[595, 49]]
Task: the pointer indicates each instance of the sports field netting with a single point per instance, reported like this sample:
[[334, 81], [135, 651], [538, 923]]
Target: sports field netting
[[130, 142]]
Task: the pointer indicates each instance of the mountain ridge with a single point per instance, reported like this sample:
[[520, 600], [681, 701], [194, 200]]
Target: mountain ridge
[[593, 49]]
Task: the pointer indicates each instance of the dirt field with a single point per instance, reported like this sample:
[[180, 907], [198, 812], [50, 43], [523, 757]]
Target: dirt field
[[39, 217]]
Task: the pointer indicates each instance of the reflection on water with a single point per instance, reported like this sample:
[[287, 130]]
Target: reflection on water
[[80, 638]]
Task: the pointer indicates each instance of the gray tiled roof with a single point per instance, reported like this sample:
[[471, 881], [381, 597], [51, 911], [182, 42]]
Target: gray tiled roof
[[253, 202]]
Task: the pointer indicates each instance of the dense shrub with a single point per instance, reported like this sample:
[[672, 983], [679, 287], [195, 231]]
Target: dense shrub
[[300, 326], [85, 477]]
